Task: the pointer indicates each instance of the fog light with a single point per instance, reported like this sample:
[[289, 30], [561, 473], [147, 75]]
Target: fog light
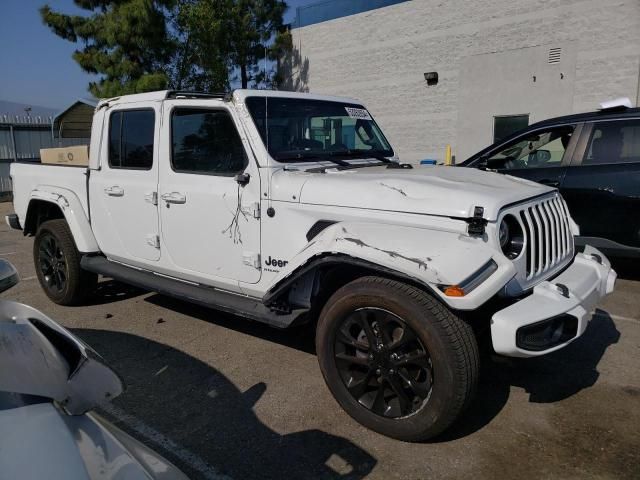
[[548, 333]]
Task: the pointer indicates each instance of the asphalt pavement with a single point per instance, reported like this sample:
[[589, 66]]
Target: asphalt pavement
[[226, 398]]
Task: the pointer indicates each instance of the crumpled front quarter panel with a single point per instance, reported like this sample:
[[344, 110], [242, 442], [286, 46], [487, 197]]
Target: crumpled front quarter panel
[[430, 257]]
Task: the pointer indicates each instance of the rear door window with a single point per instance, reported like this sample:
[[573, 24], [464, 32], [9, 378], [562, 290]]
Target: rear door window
[[614, 142], [131, 139]]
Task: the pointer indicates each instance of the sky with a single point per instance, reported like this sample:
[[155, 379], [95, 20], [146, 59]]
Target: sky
[[36, 66]]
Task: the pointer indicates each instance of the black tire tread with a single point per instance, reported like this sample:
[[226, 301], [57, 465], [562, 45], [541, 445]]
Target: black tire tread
[[81, 283], [460, 338]]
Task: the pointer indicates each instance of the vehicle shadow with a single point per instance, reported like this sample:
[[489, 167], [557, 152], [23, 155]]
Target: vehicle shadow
[[301, 337], [547, 379], [206, 414], [110, 291]]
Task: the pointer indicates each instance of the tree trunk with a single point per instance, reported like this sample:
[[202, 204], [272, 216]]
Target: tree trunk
[[243, 75]]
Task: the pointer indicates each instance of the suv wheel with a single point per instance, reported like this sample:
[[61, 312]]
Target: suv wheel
[[395, 359], [57, 263]]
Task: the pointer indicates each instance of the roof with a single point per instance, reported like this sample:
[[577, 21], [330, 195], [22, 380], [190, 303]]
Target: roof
[[75, 121], [238, 95], [598, 115], [588, 116], [23, 113]]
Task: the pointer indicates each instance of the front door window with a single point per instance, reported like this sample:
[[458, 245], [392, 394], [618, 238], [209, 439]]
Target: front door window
[[535, 150]]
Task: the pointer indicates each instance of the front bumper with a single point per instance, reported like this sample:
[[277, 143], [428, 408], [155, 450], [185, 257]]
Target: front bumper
[[557, 312]]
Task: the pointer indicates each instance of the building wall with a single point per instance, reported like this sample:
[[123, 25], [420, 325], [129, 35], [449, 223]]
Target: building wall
[[380, 56]]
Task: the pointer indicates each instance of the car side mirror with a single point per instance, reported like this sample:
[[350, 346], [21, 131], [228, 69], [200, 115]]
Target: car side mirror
[[542, 156], [8, 275]]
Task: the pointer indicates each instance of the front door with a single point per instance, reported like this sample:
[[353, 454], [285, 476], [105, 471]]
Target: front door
[[602, 188], [210, 218], [124, 216]]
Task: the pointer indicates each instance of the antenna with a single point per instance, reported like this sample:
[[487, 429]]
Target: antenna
[[266, 131]]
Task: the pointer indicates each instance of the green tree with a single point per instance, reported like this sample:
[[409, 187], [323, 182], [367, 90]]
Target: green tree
[[232, 37], [125, 42]]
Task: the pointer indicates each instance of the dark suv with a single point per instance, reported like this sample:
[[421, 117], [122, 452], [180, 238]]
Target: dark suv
[[594, 159]]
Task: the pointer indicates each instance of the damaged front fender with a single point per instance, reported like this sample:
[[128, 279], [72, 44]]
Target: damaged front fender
[[429, 257], [39, 357]]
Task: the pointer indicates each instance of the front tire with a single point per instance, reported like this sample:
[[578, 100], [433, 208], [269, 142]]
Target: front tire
[[395, 359], [57, 263]]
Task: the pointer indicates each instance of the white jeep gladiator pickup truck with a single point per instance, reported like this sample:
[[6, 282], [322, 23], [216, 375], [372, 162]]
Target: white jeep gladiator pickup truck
[[288, 208]]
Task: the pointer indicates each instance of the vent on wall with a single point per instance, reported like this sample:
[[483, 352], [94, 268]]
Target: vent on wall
[[554, 55]]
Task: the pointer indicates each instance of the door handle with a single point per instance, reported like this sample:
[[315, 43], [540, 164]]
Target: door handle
[[551, 183], [174, 197], [114, 191]]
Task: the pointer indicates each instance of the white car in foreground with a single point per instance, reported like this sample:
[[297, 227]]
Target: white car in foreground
[[288, 208], [49, 383]]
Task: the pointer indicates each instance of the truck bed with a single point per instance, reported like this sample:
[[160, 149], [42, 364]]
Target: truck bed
[[27, 177]]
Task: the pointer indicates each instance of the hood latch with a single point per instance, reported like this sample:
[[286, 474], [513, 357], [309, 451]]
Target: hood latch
[[476, 223]]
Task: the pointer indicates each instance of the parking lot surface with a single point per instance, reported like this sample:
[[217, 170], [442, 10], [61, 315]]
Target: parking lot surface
[[225, 398]]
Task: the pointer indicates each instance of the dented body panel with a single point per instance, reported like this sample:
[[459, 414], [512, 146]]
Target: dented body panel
[[438, 190], [420, 254], [265, 233]]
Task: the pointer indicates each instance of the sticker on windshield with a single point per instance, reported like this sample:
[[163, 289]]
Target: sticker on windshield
[[359, 113]]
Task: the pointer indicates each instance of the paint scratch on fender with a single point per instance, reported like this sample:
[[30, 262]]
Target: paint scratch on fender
[[422, 264], [399, 190]]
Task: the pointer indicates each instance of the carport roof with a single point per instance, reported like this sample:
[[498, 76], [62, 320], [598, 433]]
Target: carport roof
[[75, 121]]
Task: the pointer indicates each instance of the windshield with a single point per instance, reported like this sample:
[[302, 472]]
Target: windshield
[[296, 129]]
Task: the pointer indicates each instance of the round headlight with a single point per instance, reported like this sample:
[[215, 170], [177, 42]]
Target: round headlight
[[503, 234], [511, 237]]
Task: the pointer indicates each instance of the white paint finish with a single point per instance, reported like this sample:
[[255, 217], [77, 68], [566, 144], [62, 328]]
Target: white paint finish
[[424, 255], [35, 443], [207, 235], [588, 282], [408, 220], [122, 218], [74, 214], [32, 364], [28, 177], [39, 441], [444, 191]]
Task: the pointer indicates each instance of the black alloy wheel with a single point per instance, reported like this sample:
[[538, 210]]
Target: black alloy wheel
[[53, 264], [57, 263], [383, 363]]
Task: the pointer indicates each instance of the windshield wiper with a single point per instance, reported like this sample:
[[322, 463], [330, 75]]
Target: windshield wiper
[[302, 156], [362, 154]]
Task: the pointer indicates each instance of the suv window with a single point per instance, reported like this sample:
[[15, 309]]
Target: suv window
[[614, 142], [534, 150], [131, 139], [205, 141]]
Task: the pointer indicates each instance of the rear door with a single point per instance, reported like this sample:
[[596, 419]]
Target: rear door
[[602, 186], [541, 155], [124, 214]]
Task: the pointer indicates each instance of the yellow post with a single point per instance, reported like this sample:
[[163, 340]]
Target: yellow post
[[447, 155]]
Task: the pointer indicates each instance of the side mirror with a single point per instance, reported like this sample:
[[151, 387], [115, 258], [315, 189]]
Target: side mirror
[[8, 275], [541, 156]]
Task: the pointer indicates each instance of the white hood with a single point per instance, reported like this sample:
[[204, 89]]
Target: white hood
[[443, 191]]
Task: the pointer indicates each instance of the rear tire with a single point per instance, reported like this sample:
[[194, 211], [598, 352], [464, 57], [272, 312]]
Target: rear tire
[[57, 263], [409, 373]]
